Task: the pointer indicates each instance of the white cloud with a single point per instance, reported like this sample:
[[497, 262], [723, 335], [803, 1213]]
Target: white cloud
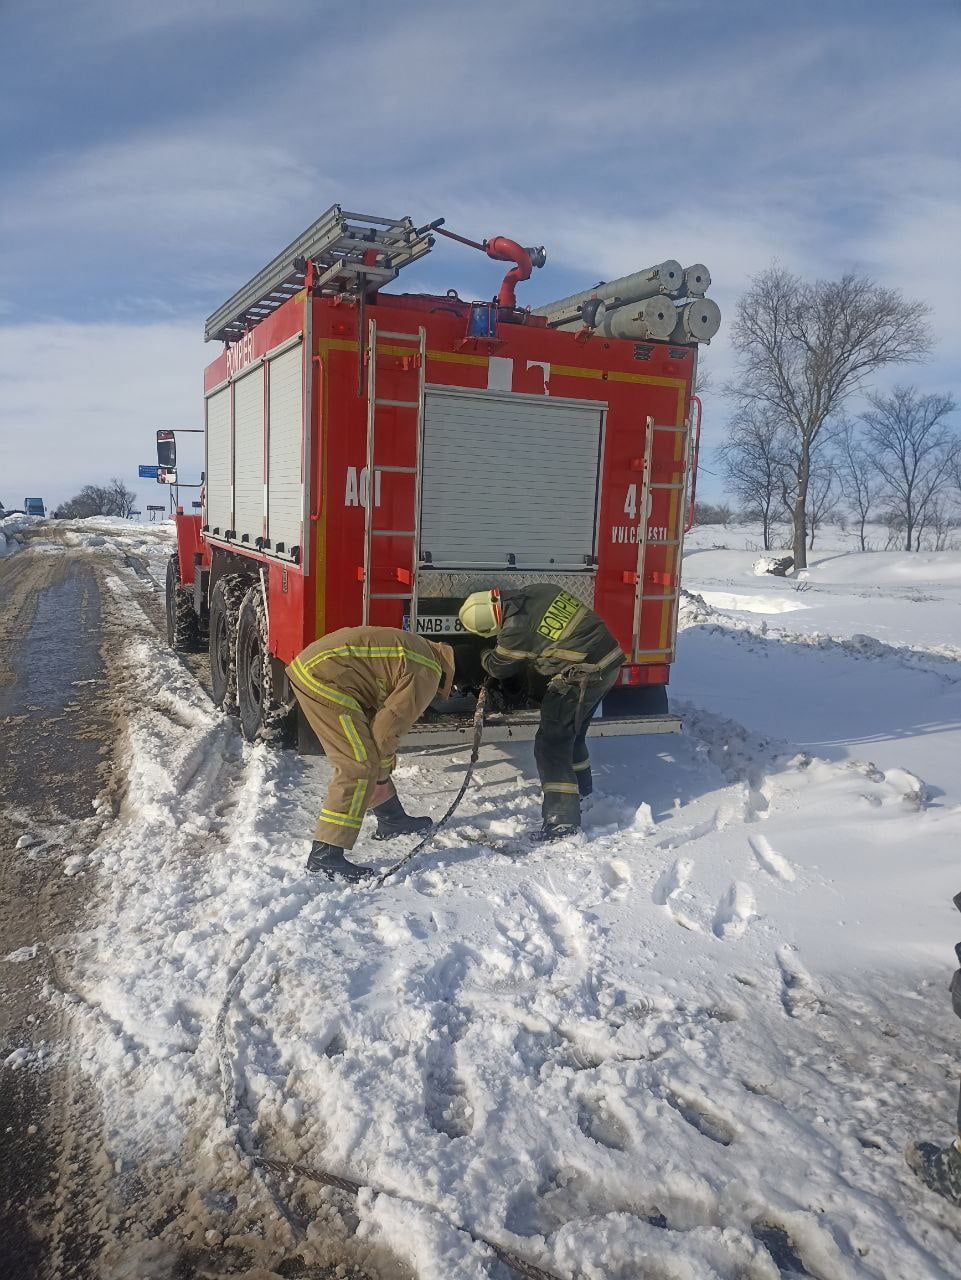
[[82, 403]]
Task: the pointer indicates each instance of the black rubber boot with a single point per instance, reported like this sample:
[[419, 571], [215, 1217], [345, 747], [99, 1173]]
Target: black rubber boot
[[552, 831], [394, 820], [329, 860], [939, 1168]]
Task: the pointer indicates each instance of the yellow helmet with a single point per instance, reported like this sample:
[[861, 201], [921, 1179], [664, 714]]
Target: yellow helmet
[[481, 613]]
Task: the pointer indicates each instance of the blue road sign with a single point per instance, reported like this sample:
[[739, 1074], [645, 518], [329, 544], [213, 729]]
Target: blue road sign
[[148, 473]]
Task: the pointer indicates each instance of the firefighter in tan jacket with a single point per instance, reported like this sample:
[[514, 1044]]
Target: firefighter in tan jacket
[[362, 689]]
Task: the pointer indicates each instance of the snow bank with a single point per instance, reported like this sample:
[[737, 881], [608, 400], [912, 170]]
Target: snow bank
[[689, 1041], [752, 603], [717, 551], [148, 543], [888, 568], [10, 529], [138, 529]]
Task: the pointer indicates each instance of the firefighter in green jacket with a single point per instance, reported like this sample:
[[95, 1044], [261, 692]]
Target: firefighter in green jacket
[[561, 638]]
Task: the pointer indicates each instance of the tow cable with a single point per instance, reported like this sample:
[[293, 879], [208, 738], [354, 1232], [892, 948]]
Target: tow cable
[[442, 822], [287, 1169]]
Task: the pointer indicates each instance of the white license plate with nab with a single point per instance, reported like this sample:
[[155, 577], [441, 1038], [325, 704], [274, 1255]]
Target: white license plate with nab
[[437, 624]]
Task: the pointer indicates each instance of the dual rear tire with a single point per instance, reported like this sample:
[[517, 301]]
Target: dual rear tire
[[241, 668]]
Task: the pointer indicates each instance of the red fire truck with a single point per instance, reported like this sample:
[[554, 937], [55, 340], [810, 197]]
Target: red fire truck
[[373, 457]]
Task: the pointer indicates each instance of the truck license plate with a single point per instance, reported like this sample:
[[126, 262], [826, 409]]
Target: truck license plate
[[436, 624]]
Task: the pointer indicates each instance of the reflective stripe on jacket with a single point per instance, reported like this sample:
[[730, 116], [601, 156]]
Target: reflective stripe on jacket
[[551, 629], [389, 676]]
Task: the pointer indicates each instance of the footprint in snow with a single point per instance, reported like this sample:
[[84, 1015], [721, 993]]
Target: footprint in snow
[[616, 874], [799, 993], [669, 886], [702, 1116], [759, 800], [446, 1105], [774, 863], [674, 878], [706, 827], [596, 1121], [734, 911]]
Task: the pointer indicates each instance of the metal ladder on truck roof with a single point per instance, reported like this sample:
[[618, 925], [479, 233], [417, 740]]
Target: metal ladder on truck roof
[[644, 542], [376, 341], [348, 253]]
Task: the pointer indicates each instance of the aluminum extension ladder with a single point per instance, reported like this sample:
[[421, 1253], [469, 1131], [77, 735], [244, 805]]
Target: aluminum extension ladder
[[644, 543], [350, 253], [376, 341]]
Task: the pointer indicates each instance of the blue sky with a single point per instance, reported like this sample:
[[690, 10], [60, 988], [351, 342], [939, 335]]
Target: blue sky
[[155, 155]]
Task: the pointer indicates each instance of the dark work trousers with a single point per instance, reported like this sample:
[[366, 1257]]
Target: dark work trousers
[[560, 747]]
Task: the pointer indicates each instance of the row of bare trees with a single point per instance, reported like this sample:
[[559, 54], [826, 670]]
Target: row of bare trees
[[110, 499], [803, 350], [897, 463]]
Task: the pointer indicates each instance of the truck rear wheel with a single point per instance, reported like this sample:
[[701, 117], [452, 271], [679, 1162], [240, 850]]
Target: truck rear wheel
[[225, 602], [262, 716], [182, 626]]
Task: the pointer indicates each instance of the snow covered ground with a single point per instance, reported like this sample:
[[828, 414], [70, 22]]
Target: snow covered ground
[[690, 1043], [146, 538]]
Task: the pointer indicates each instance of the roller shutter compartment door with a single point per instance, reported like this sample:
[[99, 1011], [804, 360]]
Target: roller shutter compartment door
[[284, 445], [249, 456], [508, 475], [219, 472]]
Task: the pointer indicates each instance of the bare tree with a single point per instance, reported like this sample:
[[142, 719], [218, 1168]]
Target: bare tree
[[122, 499], [711, 513], [942, 520], [92, 500], [803, 348], [858, 475], [914, 450], [753, 461], [112, 499]]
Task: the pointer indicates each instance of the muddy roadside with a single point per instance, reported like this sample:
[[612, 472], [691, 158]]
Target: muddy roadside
[[69, 1206], [56, 765]]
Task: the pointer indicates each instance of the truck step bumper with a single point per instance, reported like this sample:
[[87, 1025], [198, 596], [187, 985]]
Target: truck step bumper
[[521, 726]]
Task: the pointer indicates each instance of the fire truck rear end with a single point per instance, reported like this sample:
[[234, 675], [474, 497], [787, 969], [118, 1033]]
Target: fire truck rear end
[[374, 457]]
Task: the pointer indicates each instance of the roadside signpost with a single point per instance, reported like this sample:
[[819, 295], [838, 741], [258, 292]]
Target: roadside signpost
[[148, 473]]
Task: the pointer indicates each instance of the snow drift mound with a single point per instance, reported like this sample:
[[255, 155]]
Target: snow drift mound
[[10, 528]]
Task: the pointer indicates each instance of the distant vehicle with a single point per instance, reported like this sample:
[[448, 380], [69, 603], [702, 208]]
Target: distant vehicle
[[34, 507]]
